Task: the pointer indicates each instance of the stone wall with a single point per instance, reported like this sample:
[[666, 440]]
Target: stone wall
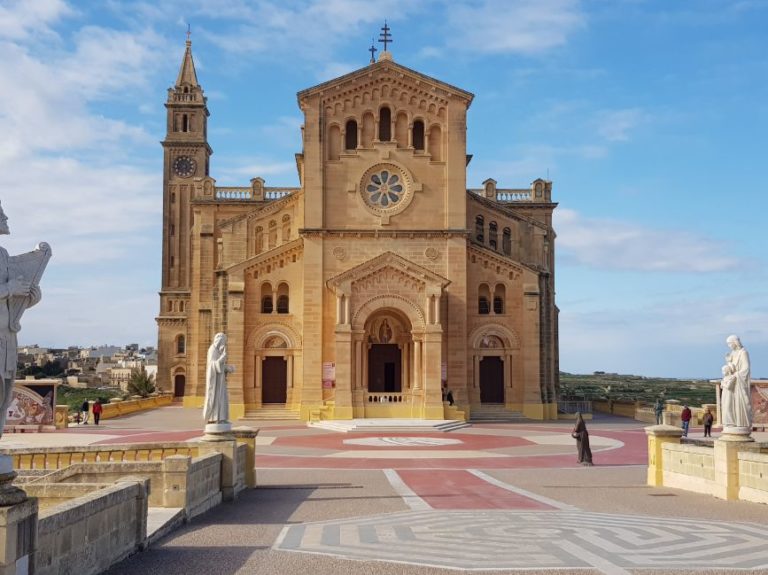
[[90, 533], [689, 467], [753, 477], [730, 467], [203, 489]]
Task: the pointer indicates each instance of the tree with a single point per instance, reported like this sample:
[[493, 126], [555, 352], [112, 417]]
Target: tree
[[141, 383]]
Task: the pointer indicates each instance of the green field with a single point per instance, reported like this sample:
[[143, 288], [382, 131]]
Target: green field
[[74, 397], [635, 388]]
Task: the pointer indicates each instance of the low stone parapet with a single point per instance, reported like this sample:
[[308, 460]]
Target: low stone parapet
[[753, 476], [92, 532]]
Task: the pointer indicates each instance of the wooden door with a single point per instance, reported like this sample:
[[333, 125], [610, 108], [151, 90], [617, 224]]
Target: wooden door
[[491, 380], [274, 372]]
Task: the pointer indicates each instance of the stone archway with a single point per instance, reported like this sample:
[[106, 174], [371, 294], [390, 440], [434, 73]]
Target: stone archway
[[387, 340], [271, 355], [494, 349]]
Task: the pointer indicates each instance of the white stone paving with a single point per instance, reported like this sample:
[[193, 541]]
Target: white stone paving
[[521, 540]]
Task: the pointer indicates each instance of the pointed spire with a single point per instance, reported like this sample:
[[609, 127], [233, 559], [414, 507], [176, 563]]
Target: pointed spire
[[187, 74]]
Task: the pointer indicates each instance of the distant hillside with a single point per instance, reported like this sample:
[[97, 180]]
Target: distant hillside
[[616, 386]]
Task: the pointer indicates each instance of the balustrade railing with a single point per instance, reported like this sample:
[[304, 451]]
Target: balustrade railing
[[574, 406], [386, 397], [234, 193]]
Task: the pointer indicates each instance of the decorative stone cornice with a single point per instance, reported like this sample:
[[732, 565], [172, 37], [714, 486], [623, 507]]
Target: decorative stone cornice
[[482, 253], [388, 260], [261, 261], [382, 233]]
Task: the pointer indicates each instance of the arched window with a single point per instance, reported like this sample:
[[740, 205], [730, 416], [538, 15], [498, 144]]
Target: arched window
[[436, 143], [259, 240], [484, 300], [480, 229], [334, 142], [350, 135], [368, 129], [499, 294], [266, 298], [493, 235], [506, 242], [282, 298], [418, 135], [385, 125], [181, 344], [272, 234], [286, 228], [401, 130]]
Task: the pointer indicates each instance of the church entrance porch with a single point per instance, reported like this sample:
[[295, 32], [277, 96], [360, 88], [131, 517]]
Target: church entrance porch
[[491, 380], [384, 368], [274, 380]]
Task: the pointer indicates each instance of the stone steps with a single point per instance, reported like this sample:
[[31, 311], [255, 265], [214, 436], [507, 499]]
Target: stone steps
[[494, 413], [389, 425], [277, 413]]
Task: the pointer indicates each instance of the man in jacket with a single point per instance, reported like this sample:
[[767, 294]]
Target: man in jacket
[[685, 417]]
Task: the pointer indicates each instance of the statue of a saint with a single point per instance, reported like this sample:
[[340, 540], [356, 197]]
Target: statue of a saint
[[216, 407], [19, 290], [736, 398]]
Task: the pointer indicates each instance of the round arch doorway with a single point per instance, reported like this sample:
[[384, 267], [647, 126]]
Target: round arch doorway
[[388, 341]]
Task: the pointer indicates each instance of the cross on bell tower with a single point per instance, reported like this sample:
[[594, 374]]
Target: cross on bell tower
[[373, 51]]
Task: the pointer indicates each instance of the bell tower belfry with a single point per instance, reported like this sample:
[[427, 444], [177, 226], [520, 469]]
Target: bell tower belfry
[[186, 156]]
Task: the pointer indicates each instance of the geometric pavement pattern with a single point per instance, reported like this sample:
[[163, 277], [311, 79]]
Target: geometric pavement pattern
[[512, 540]]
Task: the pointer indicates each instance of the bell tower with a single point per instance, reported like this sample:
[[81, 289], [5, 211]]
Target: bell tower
[[186, 156]]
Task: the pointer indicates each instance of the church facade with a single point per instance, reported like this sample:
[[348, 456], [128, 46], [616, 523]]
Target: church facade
[[376, 282]]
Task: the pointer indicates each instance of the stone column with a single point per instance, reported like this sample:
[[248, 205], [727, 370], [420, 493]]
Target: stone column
[[257, 371], [247, 435], [507, 358], [289, 370], [432, 370], [18, 537], [358, 364], [416, 364], [476, 371], [657, 436], [727, 448]]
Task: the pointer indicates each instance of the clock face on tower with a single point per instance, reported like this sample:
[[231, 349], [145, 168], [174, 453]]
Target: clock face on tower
[[184, 166]]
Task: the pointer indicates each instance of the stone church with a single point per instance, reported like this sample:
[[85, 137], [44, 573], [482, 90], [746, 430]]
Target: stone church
[[378, 280]]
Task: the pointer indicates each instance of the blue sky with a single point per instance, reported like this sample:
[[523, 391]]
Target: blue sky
[[649, 116]]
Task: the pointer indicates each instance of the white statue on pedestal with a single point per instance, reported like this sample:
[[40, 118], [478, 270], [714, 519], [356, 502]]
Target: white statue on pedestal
[[216, 407], [19, 289], [736, 398]]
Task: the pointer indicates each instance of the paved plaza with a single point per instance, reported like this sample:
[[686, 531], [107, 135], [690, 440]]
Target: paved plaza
[[495, 498]]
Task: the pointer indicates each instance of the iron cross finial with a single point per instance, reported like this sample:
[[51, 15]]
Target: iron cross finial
[[373, 50], [385, 37], [189, 32]]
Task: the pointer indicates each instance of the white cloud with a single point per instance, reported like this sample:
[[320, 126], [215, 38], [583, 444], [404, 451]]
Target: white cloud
[[616, 125], [620, 245], [520, 26], [22, 18]]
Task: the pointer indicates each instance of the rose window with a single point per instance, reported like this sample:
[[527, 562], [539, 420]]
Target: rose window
[[385, 188]]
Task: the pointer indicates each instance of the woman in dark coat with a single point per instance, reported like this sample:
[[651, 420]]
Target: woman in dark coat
[[581, 435]]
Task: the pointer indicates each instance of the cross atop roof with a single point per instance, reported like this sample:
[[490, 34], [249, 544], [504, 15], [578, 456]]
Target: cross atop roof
[[385, 37], [373, 51]]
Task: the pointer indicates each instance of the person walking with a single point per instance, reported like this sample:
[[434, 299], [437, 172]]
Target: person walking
[[659, 410], [581, 435], [685, 418], [85, 408], [708, 419], [97, 409]]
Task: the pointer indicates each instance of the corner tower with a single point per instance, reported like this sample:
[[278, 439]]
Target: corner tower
[[186, 155]]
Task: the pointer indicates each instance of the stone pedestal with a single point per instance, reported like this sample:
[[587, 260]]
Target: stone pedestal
[[727, 448], [9, 493], [658, 435], [18, 537], [221, 431], [224, 443], [248, 435]]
